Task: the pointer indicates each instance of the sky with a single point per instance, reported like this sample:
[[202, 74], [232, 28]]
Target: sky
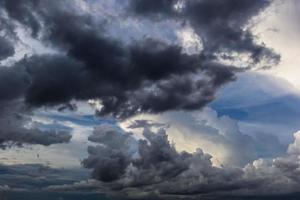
[[141, 99]]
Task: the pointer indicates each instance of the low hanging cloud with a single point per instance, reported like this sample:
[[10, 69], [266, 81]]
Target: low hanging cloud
[[34, 177], [17, 128], [139, 167]]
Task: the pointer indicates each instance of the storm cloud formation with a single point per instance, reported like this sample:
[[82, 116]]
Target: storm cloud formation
[[135, 75], [142, 166], [144, 75], [15, 116]]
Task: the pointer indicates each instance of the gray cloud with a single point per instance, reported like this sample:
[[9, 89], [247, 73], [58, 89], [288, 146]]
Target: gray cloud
[[6, 48], [13, 82], [222, 25], [14, 118], [14, 114], [34, 177], [110, 159], [157, 166]]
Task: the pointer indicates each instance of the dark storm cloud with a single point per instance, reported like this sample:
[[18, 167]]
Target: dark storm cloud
[[6, 48], [146, 7], [126, 77], [14, 82], [144, 76], [140, 167], [53, 79]]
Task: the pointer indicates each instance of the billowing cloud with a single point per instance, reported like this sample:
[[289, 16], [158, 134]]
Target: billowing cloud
[[15, 116], [155, 165], [139, 75], [112, 158], [217, 135], [281, 173]]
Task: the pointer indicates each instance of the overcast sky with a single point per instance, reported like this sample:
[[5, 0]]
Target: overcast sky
[[142, 99]]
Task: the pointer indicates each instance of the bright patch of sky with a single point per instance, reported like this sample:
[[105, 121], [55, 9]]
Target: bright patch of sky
[[279, 28]]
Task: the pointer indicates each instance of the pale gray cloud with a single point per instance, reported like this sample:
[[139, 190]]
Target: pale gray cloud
[[17, 128]]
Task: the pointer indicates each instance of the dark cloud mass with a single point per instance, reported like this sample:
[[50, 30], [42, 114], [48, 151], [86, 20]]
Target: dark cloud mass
[[14, 115], [146, 75], [53, 79], [6, 48], [13, 82]]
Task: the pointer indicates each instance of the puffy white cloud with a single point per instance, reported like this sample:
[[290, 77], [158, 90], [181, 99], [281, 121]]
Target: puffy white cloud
[[294, 149]]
